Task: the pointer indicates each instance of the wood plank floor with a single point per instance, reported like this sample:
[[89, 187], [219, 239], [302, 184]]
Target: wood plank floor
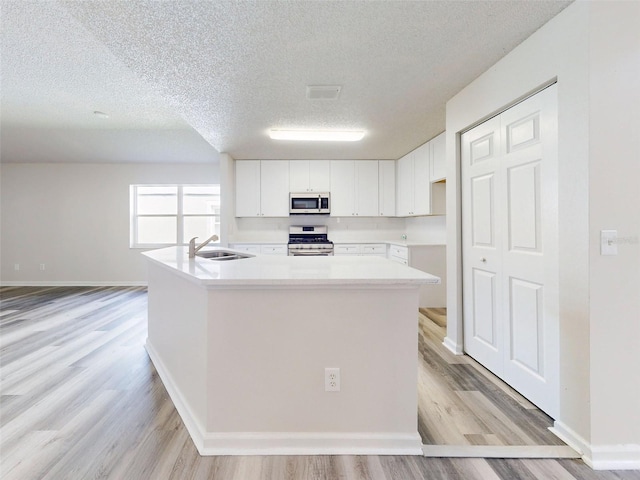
[[80, 399], [462, 403]]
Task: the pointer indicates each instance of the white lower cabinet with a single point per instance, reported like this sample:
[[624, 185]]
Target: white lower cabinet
[[261, 249], [274, 250], [399, 254], [360, 249], [246, 247]]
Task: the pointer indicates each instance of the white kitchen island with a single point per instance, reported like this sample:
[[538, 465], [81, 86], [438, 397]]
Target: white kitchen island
[[242, 347]]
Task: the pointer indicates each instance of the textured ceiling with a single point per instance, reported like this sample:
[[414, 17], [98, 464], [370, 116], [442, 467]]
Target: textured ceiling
[[230, 70]]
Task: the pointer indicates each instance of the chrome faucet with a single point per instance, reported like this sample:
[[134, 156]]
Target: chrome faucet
[[192, 245]]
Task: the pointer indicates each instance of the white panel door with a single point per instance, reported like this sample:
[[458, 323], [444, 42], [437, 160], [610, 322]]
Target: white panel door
[[510, 265], [482, 244]]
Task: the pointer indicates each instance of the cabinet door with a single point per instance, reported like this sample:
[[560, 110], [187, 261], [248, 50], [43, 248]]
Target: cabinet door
[[274, 188], [273, 250], [246, 247], [346, 249], [438, 158], [377, 250], [404, 185], [342, 188], [319, 176], [387, 188], [422, 184], [299, 176], [366, 186], [247, 188]]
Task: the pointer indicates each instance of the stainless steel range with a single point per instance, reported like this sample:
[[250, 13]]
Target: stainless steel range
[[309, 241]]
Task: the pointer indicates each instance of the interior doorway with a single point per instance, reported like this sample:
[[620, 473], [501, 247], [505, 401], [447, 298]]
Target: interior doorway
[[510, 247]]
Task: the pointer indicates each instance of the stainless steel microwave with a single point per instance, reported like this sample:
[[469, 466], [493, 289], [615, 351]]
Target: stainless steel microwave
[[307, 203]]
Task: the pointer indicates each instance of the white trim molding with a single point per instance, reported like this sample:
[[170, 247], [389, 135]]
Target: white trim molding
[[453, 346], [600, 457], [499, 451], [66, 283], [614, 457], [571, 438]]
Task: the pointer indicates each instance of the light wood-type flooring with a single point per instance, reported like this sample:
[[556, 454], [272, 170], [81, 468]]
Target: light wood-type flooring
[[80, 399]]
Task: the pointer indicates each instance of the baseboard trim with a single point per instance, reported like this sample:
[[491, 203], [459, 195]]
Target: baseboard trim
[[600, 457], [500, 451], [452, 346], [282, 443], [65, 283], [615, 457], [312, 443], [571, 438]]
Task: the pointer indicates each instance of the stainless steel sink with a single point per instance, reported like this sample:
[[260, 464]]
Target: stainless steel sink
[[221, 255]]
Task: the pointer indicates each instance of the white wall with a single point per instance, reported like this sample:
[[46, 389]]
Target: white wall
[[74, 218], [561, 49], [614, 203], [432, 229]]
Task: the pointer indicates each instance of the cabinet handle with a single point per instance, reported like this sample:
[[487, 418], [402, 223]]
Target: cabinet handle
[[483, 260]]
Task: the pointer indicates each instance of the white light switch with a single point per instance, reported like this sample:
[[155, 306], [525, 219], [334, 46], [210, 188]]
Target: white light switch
[[608, 242]]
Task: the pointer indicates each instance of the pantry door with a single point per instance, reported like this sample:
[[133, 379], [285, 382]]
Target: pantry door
[[510, 247]]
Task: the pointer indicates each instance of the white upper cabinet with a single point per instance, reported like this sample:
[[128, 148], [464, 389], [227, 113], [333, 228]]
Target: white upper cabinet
[[262, 188], [404, 185], [413, 187], [354, 188], [274, 180], [309, 176], [387, 188], [438, 158], [366, 188], [342, 188], [247, 188], [422, 185], [366, 182]]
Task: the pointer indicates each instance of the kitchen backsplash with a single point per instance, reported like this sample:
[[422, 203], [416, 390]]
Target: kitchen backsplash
[[343, 230]]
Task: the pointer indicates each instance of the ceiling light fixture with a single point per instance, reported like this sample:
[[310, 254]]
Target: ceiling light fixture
[[317, 135]]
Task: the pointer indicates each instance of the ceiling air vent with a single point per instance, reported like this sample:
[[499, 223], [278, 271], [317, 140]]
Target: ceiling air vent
[[323, 92]]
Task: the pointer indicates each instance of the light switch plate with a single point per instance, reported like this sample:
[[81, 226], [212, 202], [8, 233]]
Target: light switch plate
[[608, 242]]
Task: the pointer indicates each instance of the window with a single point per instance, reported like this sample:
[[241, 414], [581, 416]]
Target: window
[[163, 215]]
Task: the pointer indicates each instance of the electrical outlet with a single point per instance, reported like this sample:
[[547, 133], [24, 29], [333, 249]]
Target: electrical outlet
[[42, 266], [331, 379], [16, 266]]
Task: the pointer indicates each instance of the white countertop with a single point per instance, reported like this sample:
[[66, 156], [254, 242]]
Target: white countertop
[[283, 270]]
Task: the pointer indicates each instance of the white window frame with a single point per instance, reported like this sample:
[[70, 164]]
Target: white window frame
[[179, 216]]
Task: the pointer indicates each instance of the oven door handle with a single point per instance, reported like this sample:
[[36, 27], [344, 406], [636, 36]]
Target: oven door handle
[[309, 253]]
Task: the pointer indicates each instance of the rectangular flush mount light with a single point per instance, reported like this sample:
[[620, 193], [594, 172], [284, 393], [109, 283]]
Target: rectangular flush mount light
[[318, 135]]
